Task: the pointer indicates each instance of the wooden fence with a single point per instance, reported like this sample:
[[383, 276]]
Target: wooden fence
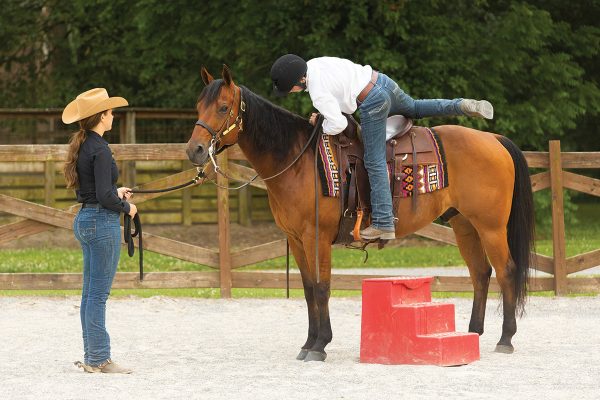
[[41, 181], [38, 218]]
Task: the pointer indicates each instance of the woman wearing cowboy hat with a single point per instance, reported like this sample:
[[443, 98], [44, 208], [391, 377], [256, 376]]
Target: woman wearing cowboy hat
[[91, 170]]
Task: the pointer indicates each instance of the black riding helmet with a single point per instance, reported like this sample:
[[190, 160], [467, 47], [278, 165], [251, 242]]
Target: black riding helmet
[[286, 72]]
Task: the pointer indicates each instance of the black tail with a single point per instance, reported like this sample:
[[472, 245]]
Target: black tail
[[521, 223]]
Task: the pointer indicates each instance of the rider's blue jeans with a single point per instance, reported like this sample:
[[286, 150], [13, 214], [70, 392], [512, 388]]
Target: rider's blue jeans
[[97, 229], [386, 99]]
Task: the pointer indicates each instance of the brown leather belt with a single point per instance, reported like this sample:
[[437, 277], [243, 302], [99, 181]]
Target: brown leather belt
[[365, 92]]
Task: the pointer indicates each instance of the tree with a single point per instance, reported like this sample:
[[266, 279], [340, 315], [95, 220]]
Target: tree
[[535, 60]]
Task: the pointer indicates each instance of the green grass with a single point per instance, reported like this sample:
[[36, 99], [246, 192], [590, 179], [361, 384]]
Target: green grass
[[55, 260], [70, 260], [582, 237], [396, 257]]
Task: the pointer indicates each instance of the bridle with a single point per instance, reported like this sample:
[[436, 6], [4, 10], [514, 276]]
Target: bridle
[[216, 139], [225, 127]]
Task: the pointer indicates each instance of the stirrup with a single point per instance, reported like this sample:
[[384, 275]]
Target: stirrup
[[356, 230]]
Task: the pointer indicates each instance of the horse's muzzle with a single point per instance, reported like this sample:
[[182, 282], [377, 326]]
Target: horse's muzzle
[[197, 153]]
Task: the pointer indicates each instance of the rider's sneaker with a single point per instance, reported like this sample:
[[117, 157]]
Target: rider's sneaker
[[372, 233], [477, 108]]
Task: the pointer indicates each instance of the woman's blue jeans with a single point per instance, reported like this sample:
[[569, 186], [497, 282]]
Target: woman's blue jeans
[[97, 229], [386, 99]]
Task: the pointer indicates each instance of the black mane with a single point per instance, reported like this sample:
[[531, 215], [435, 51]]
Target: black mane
[[272, 129], [269, 128]]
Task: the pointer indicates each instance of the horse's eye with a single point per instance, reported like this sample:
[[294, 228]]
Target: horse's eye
[[223, 109]]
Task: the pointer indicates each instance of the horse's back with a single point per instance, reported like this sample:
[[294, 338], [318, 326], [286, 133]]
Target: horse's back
[[464, 146]]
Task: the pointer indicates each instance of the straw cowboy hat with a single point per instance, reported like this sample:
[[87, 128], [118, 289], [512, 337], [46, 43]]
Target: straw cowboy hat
[[89, 103]]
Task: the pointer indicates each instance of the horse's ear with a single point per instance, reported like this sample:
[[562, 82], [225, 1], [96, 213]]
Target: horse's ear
[[206, 77], [227, 75]]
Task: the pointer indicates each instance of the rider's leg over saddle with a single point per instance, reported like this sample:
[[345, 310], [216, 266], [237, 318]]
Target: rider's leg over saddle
[[407, 147]]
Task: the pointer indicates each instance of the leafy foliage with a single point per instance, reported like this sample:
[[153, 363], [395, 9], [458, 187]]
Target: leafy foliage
[[535, 60]]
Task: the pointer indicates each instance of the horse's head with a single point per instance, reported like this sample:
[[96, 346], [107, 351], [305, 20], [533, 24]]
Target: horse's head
[[220, 107]]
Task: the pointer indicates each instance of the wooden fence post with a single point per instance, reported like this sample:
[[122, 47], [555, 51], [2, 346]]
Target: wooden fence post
[[558, 219], [186, 202], [244, 203], [49, 182], [224, 236], [127, 133]]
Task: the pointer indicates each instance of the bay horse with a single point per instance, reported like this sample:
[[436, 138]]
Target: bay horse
[[490, 188]]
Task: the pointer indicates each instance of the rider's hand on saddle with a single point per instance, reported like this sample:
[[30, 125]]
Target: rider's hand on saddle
[[124, 193], [313, 118], [132, 210]]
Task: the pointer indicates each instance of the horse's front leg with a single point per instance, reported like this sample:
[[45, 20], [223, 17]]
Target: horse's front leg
[[309, 294], [321, 292]]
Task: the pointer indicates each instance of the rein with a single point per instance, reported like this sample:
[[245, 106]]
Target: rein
[[319, 122], [137, 222], [215, 140], [214, 143], [314, 132], [220, 171]]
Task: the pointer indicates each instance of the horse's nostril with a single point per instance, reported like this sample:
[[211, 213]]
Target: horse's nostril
[[200, 149]]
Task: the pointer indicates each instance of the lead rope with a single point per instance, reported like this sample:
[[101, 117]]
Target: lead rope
[[137, 222], [199, 176]]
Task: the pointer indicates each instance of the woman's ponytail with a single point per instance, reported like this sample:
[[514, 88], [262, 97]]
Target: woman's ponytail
[[70, 170]]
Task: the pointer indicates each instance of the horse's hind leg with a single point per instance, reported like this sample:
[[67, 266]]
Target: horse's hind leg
[[472, 251], [496, 247], [309, 295]]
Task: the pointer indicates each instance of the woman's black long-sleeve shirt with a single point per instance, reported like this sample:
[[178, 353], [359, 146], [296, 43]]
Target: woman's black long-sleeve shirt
[[98, 174]]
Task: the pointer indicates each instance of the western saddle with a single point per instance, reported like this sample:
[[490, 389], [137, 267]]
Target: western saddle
[[408, 145]]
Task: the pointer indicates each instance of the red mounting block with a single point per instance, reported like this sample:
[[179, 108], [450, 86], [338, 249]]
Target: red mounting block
[[400, 325]]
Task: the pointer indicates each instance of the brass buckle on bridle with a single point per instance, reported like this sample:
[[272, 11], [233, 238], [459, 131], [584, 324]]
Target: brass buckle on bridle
[[238, 120]]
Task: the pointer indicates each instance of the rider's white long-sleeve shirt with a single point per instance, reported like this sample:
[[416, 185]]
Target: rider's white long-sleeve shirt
[[334, 84]]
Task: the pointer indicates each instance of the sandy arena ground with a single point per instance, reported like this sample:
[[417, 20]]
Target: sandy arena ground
[[245, 349]]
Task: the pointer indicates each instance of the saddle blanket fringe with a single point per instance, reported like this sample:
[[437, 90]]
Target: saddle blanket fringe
[[328, 167]]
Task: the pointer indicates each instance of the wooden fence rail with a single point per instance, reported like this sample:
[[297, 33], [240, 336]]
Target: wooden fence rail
[[38, 218], [32, 172], [250, 205]]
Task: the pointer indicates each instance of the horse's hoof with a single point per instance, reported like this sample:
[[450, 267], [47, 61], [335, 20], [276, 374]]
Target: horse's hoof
[[315, 356], [502, 348], [302, 355]]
